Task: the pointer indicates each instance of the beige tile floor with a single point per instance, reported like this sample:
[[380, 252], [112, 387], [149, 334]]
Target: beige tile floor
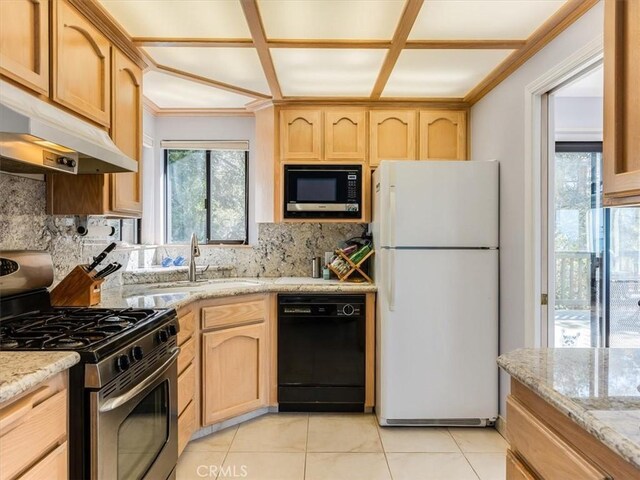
[[290, 446]]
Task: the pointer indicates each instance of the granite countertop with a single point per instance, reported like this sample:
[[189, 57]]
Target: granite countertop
[[179, 294], [598, 388], [19, 371]]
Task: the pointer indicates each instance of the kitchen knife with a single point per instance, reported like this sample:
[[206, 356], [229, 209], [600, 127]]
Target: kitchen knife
[[104, 271], [101, 257], [112, 268]]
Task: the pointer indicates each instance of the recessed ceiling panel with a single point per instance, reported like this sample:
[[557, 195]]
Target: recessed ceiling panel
[[327, 72], [180, 18], [168, 91], [481, 19], [441, 73], [236, 66], [331, 19]]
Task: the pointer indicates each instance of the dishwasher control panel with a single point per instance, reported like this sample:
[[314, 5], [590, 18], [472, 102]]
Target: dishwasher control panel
[[321, 305]]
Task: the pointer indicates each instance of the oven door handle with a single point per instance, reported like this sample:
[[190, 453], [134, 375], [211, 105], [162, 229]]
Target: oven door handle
[[114, 403]]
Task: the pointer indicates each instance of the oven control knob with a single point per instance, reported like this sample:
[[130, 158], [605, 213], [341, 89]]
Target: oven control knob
[[163, 336], [173, 331], [137, 353], [122, 363], [348, 309]]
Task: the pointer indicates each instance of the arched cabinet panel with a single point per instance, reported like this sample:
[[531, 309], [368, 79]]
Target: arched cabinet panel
[[81, 65], [301, 134], [443, 135], [392, 135], [126, 131], [345, 135], [235, 367], [24, 43]]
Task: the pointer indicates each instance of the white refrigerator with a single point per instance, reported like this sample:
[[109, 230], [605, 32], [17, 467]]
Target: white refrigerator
[[435, 230]]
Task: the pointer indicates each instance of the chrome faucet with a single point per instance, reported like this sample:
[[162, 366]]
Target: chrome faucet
[[193, 253]]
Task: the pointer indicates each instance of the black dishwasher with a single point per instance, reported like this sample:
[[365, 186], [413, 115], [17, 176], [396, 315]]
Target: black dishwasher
[[321, 353]]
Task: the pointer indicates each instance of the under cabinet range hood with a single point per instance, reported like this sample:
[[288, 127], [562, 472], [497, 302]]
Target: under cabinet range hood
[[36, 137]]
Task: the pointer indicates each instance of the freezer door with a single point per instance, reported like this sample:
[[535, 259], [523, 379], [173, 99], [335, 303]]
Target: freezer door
[[439, 204], [437, 334]]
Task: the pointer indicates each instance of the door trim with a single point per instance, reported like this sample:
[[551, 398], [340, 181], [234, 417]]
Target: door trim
[[586, 57]]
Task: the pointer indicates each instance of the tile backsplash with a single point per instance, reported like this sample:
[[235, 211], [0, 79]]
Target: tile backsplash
[[281, 249]]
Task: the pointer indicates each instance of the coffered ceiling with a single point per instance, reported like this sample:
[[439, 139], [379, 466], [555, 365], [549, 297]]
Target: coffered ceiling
[[228, 53]]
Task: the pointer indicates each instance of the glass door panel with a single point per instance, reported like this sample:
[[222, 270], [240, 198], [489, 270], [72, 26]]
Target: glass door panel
[[577, 244], [623, 274]]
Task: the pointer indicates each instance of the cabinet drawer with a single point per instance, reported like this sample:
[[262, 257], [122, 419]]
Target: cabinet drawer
[[28, 429], [187, 353], [51, 467], [186, 426], [546, 452], [186, 387], [516, 470], [187, 321], [233, 314]]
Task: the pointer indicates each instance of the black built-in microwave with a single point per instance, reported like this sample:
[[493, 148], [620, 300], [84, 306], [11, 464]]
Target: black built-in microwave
[[323, 191]]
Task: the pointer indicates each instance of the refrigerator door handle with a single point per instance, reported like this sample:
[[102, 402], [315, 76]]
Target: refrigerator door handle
[[391, 275], [391, 223]]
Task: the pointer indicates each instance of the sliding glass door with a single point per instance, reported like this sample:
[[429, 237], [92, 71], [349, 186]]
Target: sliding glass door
[[595, 267]]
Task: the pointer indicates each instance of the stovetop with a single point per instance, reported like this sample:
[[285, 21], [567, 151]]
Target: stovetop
[[92, 332]]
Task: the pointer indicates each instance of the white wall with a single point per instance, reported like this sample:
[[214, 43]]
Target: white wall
[[578, 118], [196, 128], [498, 131], [149, 209]]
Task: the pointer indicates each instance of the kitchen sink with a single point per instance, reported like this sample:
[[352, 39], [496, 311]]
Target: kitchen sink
[[191, 287]]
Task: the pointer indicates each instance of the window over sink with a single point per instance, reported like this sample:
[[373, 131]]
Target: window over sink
[[207, 192]]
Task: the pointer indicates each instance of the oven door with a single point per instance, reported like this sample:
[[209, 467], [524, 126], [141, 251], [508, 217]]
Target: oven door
[[134, 433], [313, 191]]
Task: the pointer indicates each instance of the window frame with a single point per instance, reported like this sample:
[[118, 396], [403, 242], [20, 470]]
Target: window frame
[[207, 241]]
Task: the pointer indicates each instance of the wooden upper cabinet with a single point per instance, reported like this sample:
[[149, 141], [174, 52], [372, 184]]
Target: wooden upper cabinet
[[345, 135], [126, 131], [392, 135], [81, 65], [621, 152], [24, 43], [301, 134], [443, 135]]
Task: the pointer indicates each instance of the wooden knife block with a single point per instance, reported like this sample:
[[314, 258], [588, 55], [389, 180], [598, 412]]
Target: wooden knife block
[[78, 289]]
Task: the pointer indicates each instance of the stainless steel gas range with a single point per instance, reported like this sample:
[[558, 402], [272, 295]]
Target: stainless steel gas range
[[123, 393]]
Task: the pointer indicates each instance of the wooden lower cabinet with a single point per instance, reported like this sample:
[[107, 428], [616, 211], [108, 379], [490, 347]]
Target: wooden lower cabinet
[[547, 445], [234, 372], [33, 433], [516, 470], [187, 377]]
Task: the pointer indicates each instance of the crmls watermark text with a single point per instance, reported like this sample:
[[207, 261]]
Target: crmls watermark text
[[229, 471]]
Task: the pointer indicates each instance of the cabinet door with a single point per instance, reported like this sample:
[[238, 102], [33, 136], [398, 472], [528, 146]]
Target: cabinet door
[[622, 103], [24, 42], [81, 65], [126, 131], [234, 372], [300, 134], [392, 135], [443, 135], [345, 134]]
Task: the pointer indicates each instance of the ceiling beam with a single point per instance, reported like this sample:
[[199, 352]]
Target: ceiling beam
[[252, 14], [209, 82], [464, 44], [192, 42], [556, 24], [324, 43], [405, 24]]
